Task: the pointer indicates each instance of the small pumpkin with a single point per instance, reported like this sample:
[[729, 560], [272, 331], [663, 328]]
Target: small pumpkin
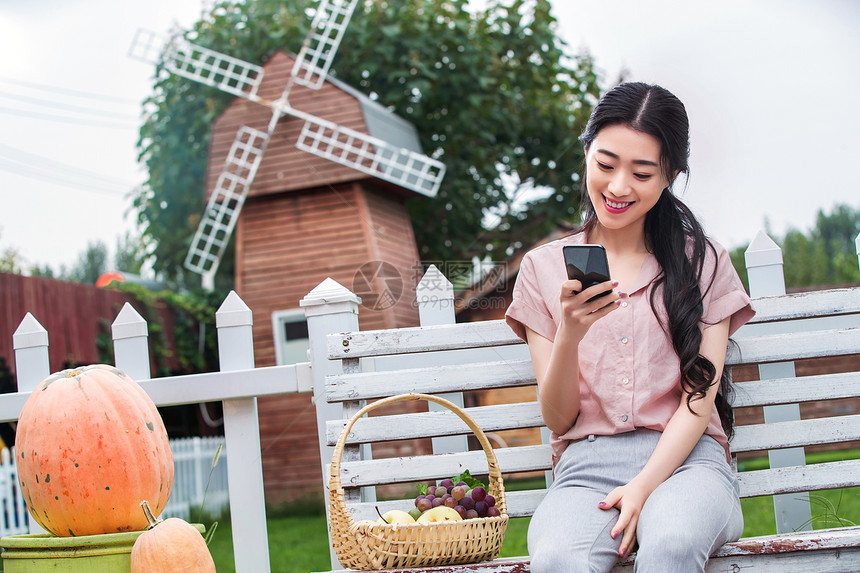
[[89, 444], [171, 545]]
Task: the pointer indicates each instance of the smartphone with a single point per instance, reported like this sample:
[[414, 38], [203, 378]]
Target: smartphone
[[588, 265]]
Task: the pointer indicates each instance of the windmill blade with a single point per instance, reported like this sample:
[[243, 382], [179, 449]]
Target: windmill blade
[[212, 68], [222, 211], [197, 63], [370, 155], [318, 51], [146, 46]]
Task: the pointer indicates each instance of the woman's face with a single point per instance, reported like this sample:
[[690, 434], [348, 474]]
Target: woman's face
[[624, 177]]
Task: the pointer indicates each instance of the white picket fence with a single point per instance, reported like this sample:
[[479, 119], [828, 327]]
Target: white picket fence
[[14, 519], [329, 308], [197, 483]]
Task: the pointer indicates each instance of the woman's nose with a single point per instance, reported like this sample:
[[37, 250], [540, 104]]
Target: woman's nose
[[619, 184]]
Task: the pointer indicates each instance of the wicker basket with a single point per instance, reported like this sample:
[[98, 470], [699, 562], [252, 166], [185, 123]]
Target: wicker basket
[[367, 545]]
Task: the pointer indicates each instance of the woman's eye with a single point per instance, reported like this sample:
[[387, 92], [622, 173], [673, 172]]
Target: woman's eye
[[604, 166], [642, 176]]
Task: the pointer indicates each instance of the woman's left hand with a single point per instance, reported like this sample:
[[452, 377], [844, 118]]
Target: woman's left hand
[[629, 499]]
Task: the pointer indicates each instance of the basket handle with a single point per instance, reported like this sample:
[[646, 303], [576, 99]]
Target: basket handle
[[495, 475]]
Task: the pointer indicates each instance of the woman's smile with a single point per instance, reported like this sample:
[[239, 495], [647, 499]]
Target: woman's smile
[[616, 207]]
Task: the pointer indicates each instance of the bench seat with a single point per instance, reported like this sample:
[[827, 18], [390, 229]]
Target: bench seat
[[821, 551]]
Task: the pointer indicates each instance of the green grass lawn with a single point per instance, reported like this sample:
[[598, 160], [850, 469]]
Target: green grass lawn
[[299, 543]]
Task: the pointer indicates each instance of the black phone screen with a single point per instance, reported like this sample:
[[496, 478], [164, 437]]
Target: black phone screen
[[587, 264]]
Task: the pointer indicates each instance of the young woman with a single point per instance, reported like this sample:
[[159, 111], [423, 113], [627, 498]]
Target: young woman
[[632, 384]]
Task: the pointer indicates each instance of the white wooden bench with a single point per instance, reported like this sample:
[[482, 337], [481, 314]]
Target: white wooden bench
[[486, 355]]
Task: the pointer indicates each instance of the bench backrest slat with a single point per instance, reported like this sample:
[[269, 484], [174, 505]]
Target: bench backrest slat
[[797, 433], [361, 473], [451, 378], [831, 475], [437, 423], [480, 376], [833, 302], [815, 304], [519, 504], [794, 390], [420, 339], [794, 346]]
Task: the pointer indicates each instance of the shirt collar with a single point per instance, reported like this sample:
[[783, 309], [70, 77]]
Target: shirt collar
[[650, 270]]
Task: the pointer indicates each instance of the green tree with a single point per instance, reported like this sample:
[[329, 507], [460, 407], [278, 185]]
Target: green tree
[[826, 255], [130, 254], [42, 271], [10, 261], [496, 95], [91, 263], [837, 233]]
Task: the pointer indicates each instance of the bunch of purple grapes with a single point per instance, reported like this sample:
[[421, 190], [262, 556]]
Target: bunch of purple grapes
[[468, 502]]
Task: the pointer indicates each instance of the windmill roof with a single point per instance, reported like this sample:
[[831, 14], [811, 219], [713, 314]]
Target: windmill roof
[[382, 122]]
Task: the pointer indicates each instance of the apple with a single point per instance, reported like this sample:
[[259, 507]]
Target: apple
[[440, 513]]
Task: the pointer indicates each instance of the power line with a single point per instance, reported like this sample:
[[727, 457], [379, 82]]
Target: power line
[[57, 180], [25, 156], [67, 107], [65, 119], [67, 91], [44, 169], [48, 178]]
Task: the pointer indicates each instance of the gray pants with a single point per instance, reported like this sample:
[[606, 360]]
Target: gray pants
[[684, 520]]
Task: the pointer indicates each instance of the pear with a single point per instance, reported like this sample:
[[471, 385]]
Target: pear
[[439, 513]]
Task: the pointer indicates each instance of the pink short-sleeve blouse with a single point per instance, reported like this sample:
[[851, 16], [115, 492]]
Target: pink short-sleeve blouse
[[629, 372]]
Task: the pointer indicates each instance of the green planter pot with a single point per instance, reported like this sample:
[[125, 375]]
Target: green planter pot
[[46, 553]]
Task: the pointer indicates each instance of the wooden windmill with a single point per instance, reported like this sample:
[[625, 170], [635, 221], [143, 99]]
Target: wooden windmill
[[359, 151], [321, 174]]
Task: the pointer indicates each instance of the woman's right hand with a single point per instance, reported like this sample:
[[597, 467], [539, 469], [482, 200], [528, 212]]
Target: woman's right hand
[[577, 314]]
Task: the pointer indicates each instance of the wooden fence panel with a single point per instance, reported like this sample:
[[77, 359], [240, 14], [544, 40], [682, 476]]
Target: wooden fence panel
[[74, 314]]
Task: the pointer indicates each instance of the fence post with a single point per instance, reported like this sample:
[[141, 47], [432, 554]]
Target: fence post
[[199, 472], [329, 308], [242, 435], [130, 343], [32, 365], [857, 249], [766, 278], [435, 297]]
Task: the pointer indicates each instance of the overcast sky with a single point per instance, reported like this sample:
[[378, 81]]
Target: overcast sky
[[770, 87]]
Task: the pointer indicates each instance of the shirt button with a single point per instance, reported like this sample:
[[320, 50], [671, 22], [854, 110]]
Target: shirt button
[[624, 418], [624, 304], [625, 380], [624, 340]]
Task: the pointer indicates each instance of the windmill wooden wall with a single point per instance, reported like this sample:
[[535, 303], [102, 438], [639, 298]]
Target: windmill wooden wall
[[305, 219]]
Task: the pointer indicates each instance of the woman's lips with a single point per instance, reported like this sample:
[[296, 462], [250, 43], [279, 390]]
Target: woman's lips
[[616, 206]]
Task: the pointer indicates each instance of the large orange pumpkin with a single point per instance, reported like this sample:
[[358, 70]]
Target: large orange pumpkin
[[90, 444]]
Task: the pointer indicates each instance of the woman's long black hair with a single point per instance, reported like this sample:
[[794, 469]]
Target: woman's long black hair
[[672, 232]]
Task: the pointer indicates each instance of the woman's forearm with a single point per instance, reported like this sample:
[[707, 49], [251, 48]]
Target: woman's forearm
[[681, 435], [557, 372]]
